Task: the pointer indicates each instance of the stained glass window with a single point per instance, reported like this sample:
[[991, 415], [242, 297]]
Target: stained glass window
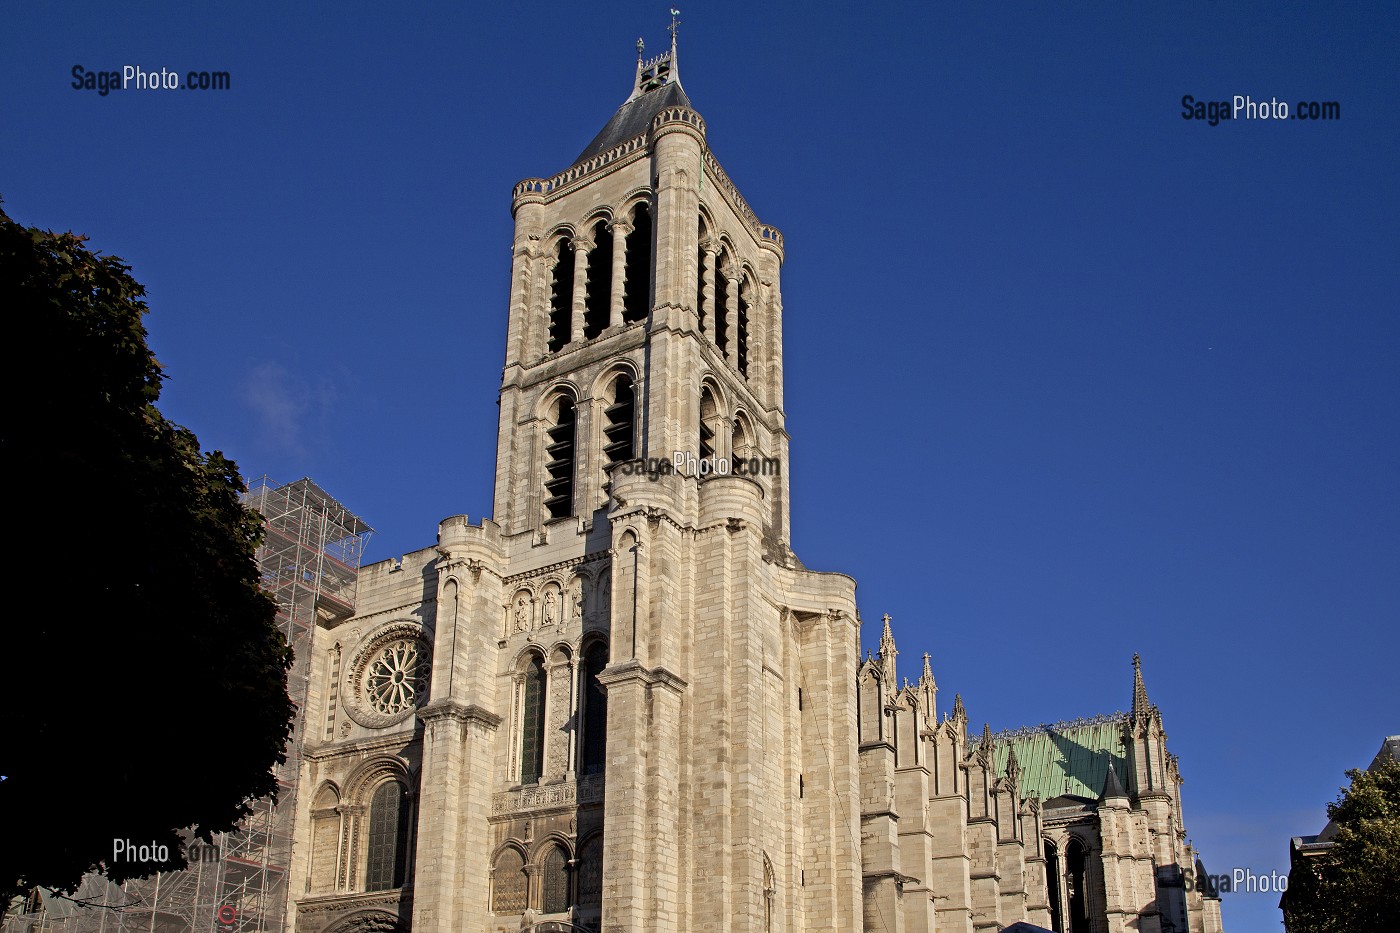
[[595, 711], [556, 881], [509, 884], [590, 873], [532, 738], [388, 838]]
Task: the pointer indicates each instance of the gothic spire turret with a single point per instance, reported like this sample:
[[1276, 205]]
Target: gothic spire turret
[[1013, 767], [888, 653], [959, 711], [926, 679], [1142, 706]]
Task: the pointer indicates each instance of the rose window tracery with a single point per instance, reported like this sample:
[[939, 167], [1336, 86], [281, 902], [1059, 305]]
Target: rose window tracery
[[389, 676], [396, 678]]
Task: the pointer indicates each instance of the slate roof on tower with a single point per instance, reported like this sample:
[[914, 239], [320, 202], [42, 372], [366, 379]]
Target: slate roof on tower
[[657, 87]]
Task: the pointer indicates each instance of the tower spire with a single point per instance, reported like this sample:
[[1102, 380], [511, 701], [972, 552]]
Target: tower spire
[[661, 70]]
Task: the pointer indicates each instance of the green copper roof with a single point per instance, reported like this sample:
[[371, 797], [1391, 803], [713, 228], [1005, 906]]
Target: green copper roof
[[1065, 758]]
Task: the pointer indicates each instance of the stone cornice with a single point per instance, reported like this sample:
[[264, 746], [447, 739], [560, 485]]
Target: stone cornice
[[633, 670], [323, 752], [545, 190], [459, 712], [356, 901], [554, 568], [404, 610]]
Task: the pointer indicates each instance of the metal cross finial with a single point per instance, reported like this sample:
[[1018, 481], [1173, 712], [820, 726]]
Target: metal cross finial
[[887, 618], [641, 47], [674, 23]]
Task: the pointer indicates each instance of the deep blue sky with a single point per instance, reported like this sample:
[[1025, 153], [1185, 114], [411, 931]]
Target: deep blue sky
[[1069, 376]]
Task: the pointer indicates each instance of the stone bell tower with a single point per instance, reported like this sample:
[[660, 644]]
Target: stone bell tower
[[646, 325]]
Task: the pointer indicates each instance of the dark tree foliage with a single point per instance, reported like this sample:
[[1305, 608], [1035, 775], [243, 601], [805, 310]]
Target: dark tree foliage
[[1354, 886], [145, 677]]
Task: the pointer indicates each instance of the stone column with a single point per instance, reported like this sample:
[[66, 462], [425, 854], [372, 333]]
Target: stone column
[[581, 246], [620, 229]]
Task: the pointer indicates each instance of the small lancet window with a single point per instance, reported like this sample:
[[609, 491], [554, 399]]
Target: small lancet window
[[561, 297], [559, 457], [636, 295], [709, 414], [742, 442], [620, 418], [597, 300]]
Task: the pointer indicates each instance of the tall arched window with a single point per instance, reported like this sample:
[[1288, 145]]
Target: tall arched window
[[700, 276], [1077, 883], [325, 839], [559, 459], [555, 898], [595, 710], [620, 422], [745, 302], [636, 296], [597, 300], [561, 297], [590, 872], [532, 723], [510, 887], [389, 829], [1052, 886], [721, 328]]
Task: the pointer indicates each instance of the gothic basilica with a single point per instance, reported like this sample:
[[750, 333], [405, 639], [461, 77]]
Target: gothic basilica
[[623, 704]]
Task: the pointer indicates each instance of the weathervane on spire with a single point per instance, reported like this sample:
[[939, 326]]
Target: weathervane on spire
[[641, 47], [674, 23]]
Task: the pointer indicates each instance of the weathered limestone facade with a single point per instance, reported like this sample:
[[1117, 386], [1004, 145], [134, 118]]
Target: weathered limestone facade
[[623, 704]]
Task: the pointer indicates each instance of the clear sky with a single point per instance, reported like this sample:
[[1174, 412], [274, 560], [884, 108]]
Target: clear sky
[[1069, 376]]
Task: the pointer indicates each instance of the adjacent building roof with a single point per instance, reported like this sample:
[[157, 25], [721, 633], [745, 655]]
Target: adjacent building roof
[[1066, 758]]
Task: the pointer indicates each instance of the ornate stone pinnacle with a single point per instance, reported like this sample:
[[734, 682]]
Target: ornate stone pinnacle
[[1142, 706]]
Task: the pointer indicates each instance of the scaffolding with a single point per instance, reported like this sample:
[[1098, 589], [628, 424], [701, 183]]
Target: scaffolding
[[309, 561]]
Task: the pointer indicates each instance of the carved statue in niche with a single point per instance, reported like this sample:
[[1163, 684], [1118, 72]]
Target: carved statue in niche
[[550, 607], [522, 613], [576, 600], [602, 597]]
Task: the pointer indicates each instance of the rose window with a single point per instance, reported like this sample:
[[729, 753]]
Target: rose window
[[395, 679]]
